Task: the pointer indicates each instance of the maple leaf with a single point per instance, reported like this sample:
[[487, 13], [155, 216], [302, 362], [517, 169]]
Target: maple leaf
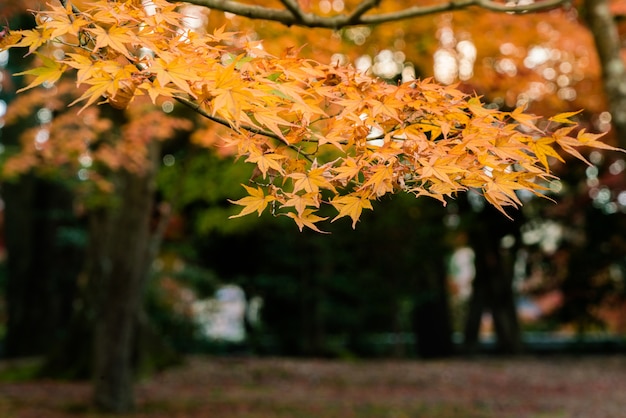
[[477, 108], [348, 170], [49, 72], [524, 119], [266, 161], [176, 70], [381, 180], [308, 219], [257, 201], [270, 120], [440, 168], [312, 180], [84, 65], [301, 201], [59, 22], [590, 140], [115, 37], [542, 150], [351, 205], [565, 117], [9, 39]]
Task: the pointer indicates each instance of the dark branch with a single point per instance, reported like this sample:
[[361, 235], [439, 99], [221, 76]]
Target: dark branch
[[293, 15]]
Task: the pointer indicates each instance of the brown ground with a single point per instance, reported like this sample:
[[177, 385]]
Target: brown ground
[[550, 387]]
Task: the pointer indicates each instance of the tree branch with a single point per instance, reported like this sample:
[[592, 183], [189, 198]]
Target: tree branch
[[293, 7], [252, 129], [293, 15], [361, 9]]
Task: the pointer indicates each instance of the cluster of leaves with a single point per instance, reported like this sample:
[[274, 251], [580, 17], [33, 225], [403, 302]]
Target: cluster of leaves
[[318, 133]]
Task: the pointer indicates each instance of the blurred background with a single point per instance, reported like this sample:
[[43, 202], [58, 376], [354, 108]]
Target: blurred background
[[414, 279]]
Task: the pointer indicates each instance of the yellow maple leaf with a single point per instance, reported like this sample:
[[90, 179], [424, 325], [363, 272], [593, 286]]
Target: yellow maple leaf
[[591, 140], [348, 170], [269, 119], [117, 38], [10, 39], [84, 65], [49, 72], [308, 219], [351, 205], [311, 181], [542, 150], [565, 117], [174, 70], [266, 161], [524, 119], [301, 201], [257, 201]]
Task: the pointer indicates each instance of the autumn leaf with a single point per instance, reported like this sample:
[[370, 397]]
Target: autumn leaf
[[351, 205], [115, 37], [308, 219], [257, 201], [440, 168], [312, 180], [591, 140], [267, 161], [524, 119], [9, 39], [542, 149], [564, 117], [380, 181], [300, 202], [49, 72], [175, 70], [85, 66]]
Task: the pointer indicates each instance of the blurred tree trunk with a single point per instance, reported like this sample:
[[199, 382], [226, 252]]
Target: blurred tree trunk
[[120, 254], [43, 238], [431, 316], [45, 253], [492, 289], [608, 45]]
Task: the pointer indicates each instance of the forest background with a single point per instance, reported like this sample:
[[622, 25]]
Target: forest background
[[336, 290]]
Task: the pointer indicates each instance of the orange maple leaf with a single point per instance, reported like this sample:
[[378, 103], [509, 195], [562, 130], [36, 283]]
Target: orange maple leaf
[[381, 180]]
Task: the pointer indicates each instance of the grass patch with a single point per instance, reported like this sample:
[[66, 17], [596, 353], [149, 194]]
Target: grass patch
[[21, 370]]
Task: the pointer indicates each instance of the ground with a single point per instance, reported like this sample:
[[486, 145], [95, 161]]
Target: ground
[[546, 387]]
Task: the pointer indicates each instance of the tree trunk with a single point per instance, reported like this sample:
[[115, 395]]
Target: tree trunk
[[608, 45], [431, 316], [492, 288], [120, 255], [44, 248]]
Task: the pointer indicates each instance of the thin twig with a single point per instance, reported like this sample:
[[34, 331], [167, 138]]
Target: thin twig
[[252, 129]]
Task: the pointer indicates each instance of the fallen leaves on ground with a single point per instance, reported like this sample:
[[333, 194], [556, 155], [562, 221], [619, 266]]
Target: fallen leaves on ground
[[246, 387]]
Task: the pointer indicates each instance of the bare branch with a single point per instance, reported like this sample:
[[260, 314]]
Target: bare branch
[[293, 7], [361, 9], [293, 15]]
